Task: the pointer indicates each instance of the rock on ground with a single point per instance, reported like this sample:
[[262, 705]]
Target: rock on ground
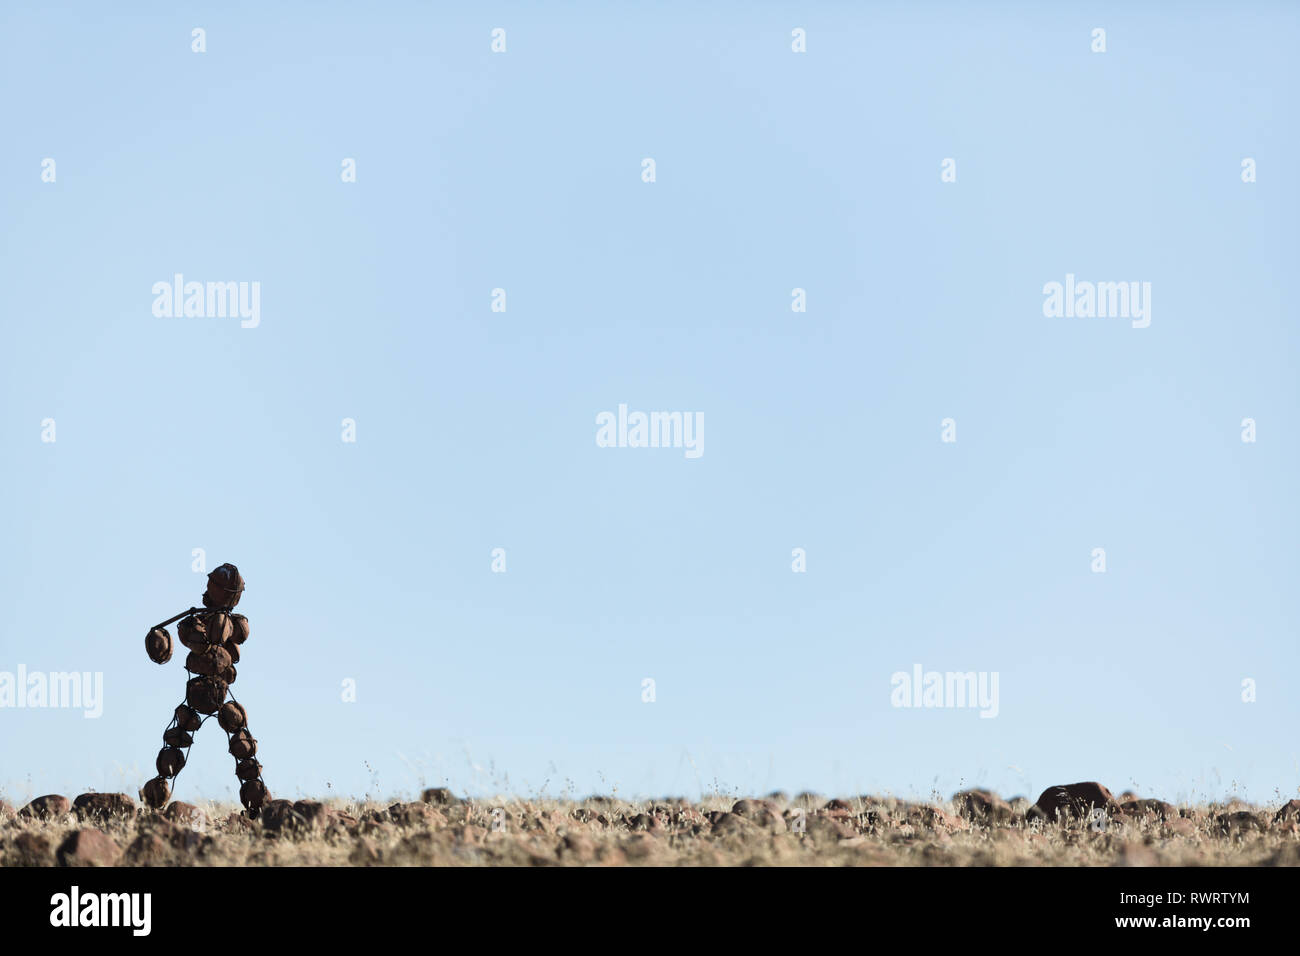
[[49, 807], [102, 807], [88, 847], [1075, 800]]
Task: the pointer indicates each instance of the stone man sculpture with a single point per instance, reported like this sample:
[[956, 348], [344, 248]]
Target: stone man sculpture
[[213, 634]]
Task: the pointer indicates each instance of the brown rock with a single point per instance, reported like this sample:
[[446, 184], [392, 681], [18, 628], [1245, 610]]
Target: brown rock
[[190, 631], [225, 587], [155, 792], [1157, 809], [180, 837], [209, 662], [232, 717], [828, 829], [240, 823], [1239, 822], [416, 814], [185, 813], [935, 819], [1075, 801], [49, 807], [983, 807], [229, 674], [148, 849], [253, 794], [248, 769], [170, 762], [158, 645], [233, 650], [175, 737], [239, 632], [548, 822], [187, 718], [752, 808], [643, 821], [314, 812], [340, 822], [439, 796], [689, 816], [218, 626], [88, 847], [763, 813], [205, 694], [242, 745], [29, 849], [279, 816], [103, 806], [301, 816], [1289, 812]]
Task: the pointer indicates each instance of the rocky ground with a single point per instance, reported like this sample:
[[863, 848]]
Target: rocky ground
[[1073, 824]]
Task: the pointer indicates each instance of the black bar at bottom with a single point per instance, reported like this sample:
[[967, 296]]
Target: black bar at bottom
[[932, 904]]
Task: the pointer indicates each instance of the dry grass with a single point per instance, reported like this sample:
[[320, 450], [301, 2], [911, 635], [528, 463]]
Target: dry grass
[[864, 831]]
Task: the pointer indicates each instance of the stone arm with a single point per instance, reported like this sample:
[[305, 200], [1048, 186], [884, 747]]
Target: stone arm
[[158, 642]]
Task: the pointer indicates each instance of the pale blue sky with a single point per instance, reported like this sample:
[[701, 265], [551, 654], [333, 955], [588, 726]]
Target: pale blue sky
[[475, 429]]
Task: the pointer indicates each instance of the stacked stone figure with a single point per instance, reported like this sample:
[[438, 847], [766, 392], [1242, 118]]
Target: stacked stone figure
[[212, 634]]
